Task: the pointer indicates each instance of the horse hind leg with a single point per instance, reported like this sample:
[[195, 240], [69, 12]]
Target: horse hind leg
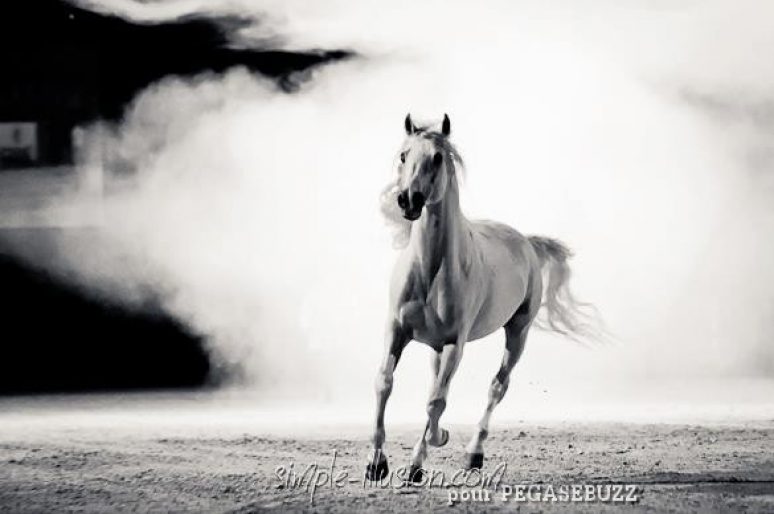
[[515, 338]]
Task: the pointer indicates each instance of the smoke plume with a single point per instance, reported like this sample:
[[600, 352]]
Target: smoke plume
[[639, 134]]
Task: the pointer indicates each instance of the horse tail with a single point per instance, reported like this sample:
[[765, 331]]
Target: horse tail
[[563, 313]]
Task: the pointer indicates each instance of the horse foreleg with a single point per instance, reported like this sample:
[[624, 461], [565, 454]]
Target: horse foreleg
[[433, 434], [395, 341], [514, 346]]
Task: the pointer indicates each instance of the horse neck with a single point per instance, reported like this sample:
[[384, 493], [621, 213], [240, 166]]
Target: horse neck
[[438, 236]]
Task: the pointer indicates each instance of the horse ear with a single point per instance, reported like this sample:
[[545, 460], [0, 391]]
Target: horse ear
[[446, 125], [410, 128]]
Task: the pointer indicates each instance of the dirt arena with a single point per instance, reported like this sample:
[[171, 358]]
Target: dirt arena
[[175, 463]]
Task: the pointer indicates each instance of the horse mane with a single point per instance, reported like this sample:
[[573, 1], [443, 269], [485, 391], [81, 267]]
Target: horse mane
[[388, 200]]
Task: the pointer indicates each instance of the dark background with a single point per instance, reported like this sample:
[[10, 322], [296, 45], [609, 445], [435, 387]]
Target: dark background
[[62, 66]]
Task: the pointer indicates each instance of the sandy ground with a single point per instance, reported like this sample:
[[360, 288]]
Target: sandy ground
[[65, 463]]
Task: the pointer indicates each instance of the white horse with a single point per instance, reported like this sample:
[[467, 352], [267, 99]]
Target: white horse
[[455, 281]]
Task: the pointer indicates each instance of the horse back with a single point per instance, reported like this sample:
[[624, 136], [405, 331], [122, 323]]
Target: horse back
[[499, 241]]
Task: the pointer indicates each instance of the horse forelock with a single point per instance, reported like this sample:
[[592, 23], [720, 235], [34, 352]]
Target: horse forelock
[[442, 143], [401, 227]]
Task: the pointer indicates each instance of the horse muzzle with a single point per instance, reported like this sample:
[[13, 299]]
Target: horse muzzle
[[411, 205]]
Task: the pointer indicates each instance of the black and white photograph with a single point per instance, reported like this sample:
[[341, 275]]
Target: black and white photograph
[[386, 256]]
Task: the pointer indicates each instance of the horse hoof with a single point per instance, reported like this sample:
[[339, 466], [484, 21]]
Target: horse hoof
[[376, 471], [474, 461], [416, 474], [444, 437]]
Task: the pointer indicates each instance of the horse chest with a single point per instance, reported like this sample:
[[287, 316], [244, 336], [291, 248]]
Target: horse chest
[[434, 312], [444, 298]]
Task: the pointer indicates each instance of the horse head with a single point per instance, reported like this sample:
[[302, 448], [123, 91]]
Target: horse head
[[425, 168]]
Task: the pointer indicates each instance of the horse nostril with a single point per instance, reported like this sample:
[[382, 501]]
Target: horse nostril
[[418, 200], [403, 200]]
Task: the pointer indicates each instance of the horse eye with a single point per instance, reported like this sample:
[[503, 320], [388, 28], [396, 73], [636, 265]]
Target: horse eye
[[437, 159], [403, 157]]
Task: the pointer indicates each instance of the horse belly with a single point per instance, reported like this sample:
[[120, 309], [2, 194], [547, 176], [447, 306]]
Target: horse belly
[[507, 285]]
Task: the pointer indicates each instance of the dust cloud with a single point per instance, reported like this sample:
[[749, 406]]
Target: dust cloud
[[639, 133]]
